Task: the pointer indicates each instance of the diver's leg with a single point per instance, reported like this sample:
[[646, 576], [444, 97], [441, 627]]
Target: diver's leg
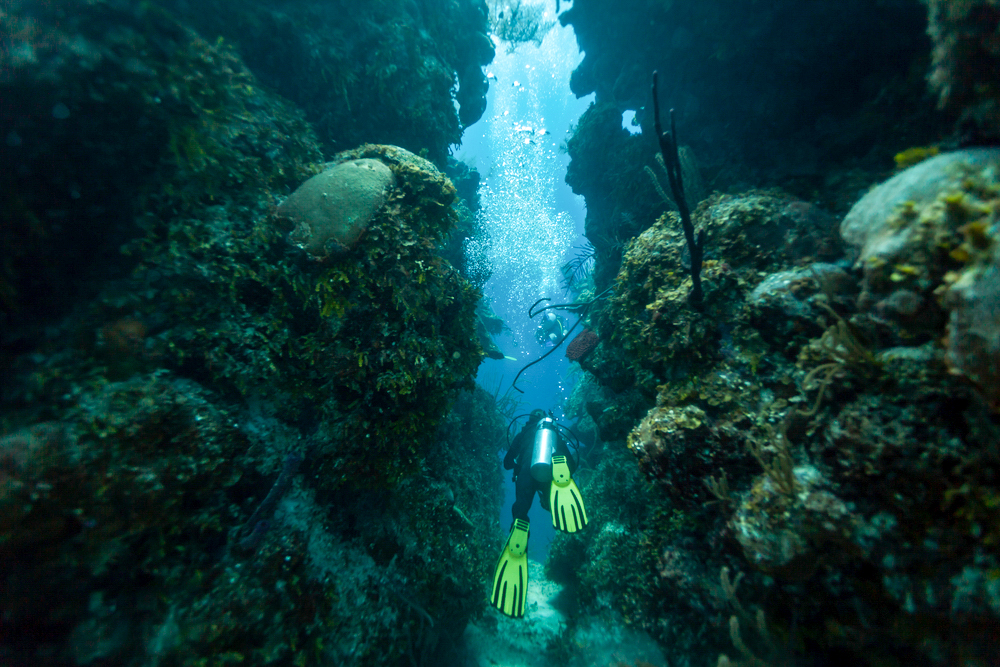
[[565, 500], [572, 458], [510, 577], [524, 494], [543, 495]]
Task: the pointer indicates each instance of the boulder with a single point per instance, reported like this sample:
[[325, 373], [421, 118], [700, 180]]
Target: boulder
[[333, 209], [973, 340], [928, 241], [878, 225]]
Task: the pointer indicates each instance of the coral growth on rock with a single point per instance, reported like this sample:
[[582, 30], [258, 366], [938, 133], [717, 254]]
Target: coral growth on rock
[[198, 372], [806, 426]]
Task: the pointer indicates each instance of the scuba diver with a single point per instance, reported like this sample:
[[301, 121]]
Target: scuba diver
[[543, 464], [551, 330], [488, 325]]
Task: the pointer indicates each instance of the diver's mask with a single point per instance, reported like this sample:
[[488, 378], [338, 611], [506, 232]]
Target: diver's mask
[[546, 439]]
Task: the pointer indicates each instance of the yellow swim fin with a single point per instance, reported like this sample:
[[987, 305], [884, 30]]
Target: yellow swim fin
[[510, 579], [565, 502]]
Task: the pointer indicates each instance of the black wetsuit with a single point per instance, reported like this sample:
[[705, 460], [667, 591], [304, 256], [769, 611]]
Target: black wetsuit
[[518, 458]]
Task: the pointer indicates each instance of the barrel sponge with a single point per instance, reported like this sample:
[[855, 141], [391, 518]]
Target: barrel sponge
[[582, 345], [333, 209]]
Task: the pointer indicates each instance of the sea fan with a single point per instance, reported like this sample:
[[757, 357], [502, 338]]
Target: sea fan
[[577, 270]]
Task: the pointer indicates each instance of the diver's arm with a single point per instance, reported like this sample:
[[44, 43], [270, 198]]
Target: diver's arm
[[515, 454]]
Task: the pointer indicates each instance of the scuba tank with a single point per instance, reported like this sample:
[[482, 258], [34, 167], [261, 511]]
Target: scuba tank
[[546, 439]]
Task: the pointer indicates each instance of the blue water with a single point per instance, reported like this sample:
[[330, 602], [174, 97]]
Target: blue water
[[533, 221]]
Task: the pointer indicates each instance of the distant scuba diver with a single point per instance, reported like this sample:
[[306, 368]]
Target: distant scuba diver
[[490, 347], [488, 325], [551, 330], [542, 462]]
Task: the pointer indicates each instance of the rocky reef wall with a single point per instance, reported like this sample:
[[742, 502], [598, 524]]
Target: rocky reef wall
[[785, 93], [216, 446], [378, 71], [817, 436]]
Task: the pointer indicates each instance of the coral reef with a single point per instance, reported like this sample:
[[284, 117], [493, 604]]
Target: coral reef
[[230, 436], [760, 101], [753, 232], [822, 435], [607, 168], [214, 448], [378, 71], [123, 509], [808, 432], [973, 343], [789, 524], [749, 86], [669, 158], [100, 114], [518, 22], [966, 55]]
